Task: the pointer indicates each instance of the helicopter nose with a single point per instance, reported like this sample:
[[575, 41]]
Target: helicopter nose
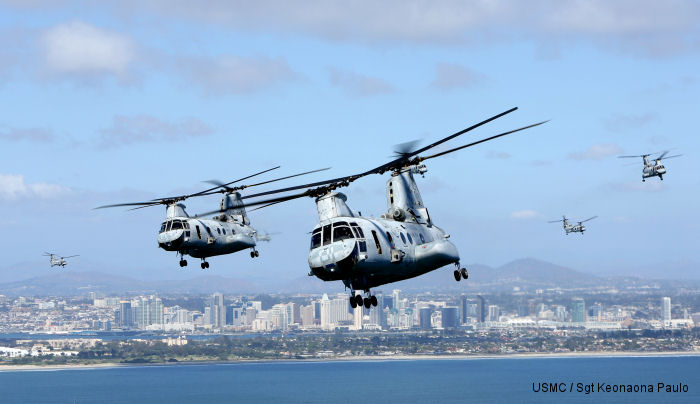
[[661, 170]]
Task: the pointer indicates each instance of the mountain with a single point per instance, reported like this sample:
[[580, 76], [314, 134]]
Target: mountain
[[525, 274]]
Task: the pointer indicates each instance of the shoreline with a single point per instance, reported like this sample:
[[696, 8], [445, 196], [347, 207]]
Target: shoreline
[[361, 358]]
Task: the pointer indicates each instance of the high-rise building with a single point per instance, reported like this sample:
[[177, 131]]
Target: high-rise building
[[463, 309], [147, 311], [666, 308], [450, 317], [124, 317], [377, 315], [217, 311], [578, 310], [307, 315], [494, 312], [480, 308], [234, 314], [424, 315], [396, 299]]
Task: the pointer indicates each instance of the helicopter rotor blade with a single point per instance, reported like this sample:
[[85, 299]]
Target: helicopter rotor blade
[[227, 189], [266, 203], [481, 141], [219, 185], [140, 204], [662, 155], [396, 163], [670, 157], [590, 218], [71, 256], [556, 221]]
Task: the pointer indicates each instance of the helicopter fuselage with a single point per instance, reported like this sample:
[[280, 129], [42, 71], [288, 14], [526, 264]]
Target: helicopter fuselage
[[366, 252], [202, 238]]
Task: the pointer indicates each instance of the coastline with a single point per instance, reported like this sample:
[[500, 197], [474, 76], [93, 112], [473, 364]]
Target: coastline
[[360, 358]]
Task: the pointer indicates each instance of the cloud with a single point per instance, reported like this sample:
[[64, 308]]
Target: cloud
[[497, 155], [647, 27], [13, 187], [359, 84], [78, 49], [597, 152], [650, 185], [525, 214], [450, 76], [126, 130], [228, 74], [29, 134], [621, 122]]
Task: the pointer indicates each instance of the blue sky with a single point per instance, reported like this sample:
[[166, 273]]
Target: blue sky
[[122, 101]]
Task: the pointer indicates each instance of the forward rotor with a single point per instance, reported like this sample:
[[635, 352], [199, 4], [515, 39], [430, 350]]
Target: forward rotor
[[404, 158]]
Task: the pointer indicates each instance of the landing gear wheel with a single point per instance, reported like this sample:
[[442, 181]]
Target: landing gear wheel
[[257, 254], [353, 304], [183, 263], [203, 265], [458, 275], [206, 264], [358, 300], [373, 299], [368, 302], [464, 273], [252, 254]]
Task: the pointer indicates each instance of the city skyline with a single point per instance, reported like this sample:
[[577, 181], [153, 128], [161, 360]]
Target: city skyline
[[190, 95]]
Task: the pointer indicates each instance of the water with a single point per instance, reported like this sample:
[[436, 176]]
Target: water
[[409, 381]]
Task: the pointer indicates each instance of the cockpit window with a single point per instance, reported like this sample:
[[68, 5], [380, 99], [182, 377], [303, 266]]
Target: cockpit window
[[340, 224], [326, 234], [342, 233], [176, 225], [163, 227], [316, 239]]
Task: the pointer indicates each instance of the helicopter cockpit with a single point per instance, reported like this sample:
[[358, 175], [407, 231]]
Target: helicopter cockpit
[[174, 224], [333, 232]]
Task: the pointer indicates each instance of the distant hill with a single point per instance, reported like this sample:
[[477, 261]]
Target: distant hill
[[526, 274]]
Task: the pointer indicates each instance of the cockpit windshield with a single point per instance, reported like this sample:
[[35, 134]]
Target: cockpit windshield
[[173, 225], [342, 233], [316, 238]]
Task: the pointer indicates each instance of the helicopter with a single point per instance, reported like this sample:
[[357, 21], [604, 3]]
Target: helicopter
[[201, 238], [573, 228], [655, 169], [58, 261], [365, 252]]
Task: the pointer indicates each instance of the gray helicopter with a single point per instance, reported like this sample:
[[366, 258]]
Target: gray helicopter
[[573, 228], [57, 261], [655, 169], [365, 252], [201, 238]]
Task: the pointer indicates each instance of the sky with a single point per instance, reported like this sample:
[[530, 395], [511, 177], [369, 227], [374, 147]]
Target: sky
[[120, 101]]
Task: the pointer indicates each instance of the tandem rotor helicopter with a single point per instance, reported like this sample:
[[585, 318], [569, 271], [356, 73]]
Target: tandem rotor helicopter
[[655, 169], [365, 252], [57, 261], [573, 228], [197, 237]]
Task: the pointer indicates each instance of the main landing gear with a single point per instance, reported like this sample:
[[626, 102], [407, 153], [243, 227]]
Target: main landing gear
[[460, 273], [204, 264], [358, 300], [183, 261], [254, 254]]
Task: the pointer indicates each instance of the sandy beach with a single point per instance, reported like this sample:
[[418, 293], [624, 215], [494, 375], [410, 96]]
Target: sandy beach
[[6, 368]]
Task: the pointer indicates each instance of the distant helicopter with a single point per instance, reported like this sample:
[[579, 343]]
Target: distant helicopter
[[573, 228], [201, 238], [365, 252], [265, 236], [58, 261], [655, 169]]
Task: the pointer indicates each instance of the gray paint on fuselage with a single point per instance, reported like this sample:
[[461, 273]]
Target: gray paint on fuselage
[[236, 237], [374, 269]]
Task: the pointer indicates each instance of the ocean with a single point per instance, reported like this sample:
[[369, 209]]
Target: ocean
[[384, 381]]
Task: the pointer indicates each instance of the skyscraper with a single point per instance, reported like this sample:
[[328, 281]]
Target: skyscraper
[[424, 315], [578, 310], [450, 317], [494, 312], [480, 308], [666, 308], [463, 309], [125, 318], [217, 311]]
